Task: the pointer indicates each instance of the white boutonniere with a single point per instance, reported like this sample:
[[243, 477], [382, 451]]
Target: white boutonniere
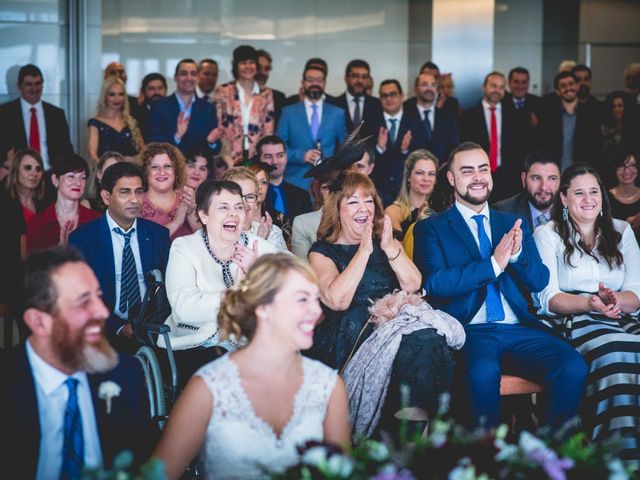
[[107, 391]]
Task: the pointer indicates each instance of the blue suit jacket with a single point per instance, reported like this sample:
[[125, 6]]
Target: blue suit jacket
[[93, 240], [455, 275], [128, 426], [163, 118], [295, 131]]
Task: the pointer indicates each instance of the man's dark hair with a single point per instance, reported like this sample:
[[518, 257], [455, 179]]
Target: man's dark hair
[[391, 81], [150, 77], [317, 62], [581, 67], [29, 70], [560, 76], [117, 171], [207, 60], [357, 63], [463, 147], [520, 70], [184, 60], [269, 140], [265, 54], [38, 290], [538, 156], [313, 67], [430, 65], [209, 188], [495, 73]]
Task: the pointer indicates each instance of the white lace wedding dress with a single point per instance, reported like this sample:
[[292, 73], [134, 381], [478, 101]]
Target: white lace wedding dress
[[238, 443]]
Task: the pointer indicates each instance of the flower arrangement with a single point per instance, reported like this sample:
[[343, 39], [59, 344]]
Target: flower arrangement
[[450, 452]]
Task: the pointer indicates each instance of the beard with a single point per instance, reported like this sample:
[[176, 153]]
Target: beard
[[540, 205], [466, 196], [314, 93], [78, 355]]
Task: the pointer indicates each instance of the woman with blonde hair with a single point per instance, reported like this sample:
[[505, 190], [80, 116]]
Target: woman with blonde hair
[[113, 128], [256, 223], [167, 200], [418, 181], [247, 412]]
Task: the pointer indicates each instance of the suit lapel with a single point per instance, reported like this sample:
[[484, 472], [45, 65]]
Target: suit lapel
[[106, 247], [20, 121], [498, 227], [460, 227], [99, 409], [25, 404], [146, 246], [484, 132]]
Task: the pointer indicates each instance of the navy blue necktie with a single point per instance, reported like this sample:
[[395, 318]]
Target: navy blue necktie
[[393, 131], [129, 287], [427, 125], [73, 448], [495, 312]]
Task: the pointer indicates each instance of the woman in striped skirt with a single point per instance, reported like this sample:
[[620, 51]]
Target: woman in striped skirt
[[593, 296]]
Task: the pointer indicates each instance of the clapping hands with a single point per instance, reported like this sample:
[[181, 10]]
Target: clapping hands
[[509, 245], [606, 302]]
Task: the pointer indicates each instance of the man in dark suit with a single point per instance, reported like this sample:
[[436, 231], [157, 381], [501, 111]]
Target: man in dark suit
[[568, 129], [153, 88], [541, 182], [182, 119], [491, 126], [451, 104], [30, 122], [265, 62], [121, 248], [282, 197], [207, 79], [311, 129], [68, 400], [474, 261], [401, 134], [357, 105], [519, 95]]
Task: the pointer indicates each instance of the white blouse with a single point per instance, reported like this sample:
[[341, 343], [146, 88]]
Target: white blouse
[[586, 273]]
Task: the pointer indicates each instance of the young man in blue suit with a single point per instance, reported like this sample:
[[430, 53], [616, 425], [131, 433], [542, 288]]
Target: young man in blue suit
[[55, 415], [311, 129], [104, 245], [183, 119], [474, 261]]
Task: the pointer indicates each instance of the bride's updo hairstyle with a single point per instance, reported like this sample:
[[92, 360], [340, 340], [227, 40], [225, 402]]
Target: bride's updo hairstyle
[[265, 278]]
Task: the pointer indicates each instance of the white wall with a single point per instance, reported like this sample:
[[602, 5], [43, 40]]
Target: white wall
[[153, 35]]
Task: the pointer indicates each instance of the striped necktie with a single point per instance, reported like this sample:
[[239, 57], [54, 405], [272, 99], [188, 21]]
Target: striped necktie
[[129, 287], [73, 448]]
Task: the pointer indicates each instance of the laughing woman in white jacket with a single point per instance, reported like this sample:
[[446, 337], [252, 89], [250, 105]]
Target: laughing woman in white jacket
[[201, 266]]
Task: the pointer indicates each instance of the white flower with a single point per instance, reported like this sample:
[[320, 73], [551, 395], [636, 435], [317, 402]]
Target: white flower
[[378, 451], [314, 456], [617, 470], [530, 443], [340, 466], [107, 391]]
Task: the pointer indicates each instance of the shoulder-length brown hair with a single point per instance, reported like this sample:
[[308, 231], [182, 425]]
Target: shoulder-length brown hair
[[342, 188], [11, 183], [177, 160]]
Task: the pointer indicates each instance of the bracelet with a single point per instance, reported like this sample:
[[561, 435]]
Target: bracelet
[[397, 255]]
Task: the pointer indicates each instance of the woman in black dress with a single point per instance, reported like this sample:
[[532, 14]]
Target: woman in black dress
[[357, 261]]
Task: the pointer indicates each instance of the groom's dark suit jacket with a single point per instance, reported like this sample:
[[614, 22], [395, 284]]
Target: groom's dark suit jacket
[[128, 426]]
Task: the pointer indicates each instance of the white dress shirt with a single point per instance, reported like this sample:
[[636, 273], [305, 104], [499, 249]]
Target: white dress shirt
[[467, 214], [117, 241], [42, 128], [487, 119], [52, 395], [432, 114], [352, 105], [387, 122], [309, 110]]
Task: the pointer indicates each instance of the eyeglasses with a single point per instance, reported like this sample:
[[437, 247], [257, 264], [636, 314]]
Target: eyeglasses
[[389, 95], [250, 198], [359, 76], [632, 167], [28, 168]]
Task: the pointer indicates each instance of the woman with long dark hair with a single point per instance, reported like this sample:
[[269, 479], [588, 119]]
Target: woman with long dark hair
[[593, 297]]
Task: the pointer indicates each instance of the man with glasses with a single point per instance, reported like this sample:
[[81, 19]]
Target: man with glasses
[[359, 106], [310, 129]]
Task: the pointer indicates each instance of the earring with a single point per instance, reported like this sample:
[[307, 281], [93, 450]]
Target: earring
[[601, 213], [565, 213]]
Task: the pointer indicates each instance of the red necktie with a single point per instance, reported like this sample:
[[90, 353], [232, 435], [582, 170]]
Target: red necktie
[[34, 132], [493, 141]]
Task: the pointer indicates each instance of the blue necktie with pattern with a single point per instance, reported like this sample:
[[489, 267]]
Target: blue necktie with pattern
[[73, 448], [495, 312], [393, 131], [129, 287]]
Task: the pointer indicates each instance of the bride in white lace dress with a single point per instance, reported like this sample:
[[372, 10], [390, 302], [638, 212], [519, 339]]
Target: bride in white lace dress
[[248, 411]]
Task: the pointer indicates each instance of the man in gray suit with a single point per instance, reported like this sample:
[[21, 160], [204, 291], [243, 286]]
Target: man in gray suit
[[541, 182]]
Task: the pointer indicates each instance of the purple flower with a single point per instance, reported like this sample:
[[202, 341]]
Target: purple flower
[[401, 475]]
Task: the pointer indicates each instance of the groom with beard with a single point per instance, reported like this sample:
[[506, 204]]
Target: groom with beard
[[474, 261], [541, 182], [68, 400], [311, 129]]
